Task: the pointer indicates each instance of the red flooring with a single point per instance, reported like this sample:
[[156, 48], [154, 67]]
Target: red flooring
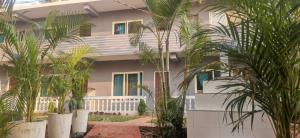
[[114, 131]]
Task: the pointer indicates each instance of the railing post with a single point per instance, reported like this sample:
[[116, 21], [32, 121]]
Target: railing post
[[111, 105], [102, 105], [134, 104]]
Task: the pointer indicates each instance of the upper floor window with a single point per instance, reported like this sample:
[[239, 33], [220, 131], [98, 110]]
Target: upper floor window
[[126, 27], [85, 30], [120, 28], [133, 26]]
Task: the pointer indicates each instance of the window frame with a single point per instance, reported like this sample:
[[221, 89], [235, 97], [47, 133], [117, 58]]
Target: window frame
[[126, 25], [90, 33], [213, 71], [124, 93], [118, 22]]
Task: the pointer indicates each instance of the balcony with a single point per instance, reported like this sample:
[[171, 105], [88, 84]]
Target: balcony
[[118, 45]]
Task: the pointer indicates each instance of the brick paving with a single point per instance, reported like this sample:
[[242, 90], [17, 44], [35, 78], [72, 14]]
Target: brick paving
[[128, 129]]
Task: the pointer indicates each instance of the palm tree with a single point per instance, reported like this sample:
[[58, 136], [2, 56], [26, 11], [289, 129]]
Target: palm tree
[[67, 76], [164, 13], [26, 53], [266, 42], [193, 38]]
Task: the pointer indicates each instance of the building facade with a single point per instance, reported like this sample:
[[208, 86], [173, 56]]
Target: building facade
[[117, 69]]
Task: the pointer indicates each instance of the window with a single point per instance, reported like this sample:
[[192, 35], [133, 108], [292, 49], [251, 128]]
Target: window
[[126, 27], [119, 28], [44, 88], [206, 76], [127, 84], [85, 30], [133, 26]]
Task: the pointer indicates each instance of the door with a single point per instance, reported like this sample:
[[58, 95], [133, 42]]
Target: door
[[158, 84]]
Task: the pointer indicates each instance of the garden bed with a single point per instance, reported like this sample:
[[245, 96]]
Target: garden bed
[[153, 132], [111, 118]]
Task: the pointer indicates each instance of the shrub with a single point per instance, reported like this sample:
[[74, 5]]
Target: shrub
[[51, 107], [142, 107]]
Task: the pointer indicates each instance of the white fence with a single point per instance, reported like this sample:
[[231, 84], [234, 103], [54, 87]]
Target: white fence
[[108, 104], [189, 103], [42, 104], [113, 104]]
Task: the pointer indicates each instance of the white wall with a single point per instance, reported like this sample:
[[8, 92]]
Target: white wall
[[210, 124], [215, 86]]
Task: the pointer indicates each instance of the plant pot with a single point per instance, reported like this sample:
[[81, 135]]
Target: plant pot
[[59, 125], [28, 129], [79, 121]]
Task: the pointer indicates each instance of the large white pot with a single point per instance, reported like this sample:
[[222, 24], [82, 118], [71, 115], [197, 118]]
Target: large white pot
[[79, 121], [59, 125], [28, 130]]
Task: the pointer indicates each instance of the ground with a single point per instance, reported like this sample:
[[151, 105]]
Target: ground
[[127, 129]]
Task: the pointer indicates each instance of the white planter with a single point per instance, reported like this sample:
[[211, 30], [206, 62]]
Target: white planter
[[59, 125], [79, 121], [28, 130]]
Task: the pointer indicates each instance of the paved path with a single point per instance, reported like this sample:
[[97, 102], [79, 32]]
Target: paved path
[[128, 129]]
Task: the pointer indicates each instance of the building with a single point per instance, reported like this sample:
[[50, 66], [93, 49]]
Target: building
[[117, 68]]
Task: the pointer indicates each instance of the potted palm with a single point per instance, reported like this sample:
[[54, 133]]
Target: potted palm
[[79, 90], [25, 54], [64, 68]]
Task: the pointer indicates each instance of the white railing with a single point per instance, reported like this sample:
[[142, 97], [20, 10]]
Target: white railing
[[108, 104], [113, 104], [42, 104], [189, 103], [105, 104]]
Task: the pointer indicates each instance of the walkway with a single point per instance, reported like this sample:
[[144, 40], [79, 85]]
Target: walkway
[[128, 129]]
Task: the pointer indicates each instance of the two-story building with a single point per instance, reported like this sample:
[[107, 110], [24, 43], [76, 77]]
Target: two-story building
[[117, 70]]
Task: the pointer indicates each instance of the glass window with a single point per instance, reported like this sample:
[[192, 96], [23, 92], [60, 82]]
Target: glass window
[[127, 84], [118, 84], [120, 28], [44, 85], [132, 86], [134, 26], [85, 30], [203, 76]]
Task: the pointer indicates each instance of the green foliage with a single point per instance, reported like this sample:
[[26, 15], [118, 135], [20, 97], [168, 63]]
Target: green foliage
[[26, 52], [7, 114], [68, 75], [266, 40], [51, 107], [163, 14], [111, 118], [142, 107]]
